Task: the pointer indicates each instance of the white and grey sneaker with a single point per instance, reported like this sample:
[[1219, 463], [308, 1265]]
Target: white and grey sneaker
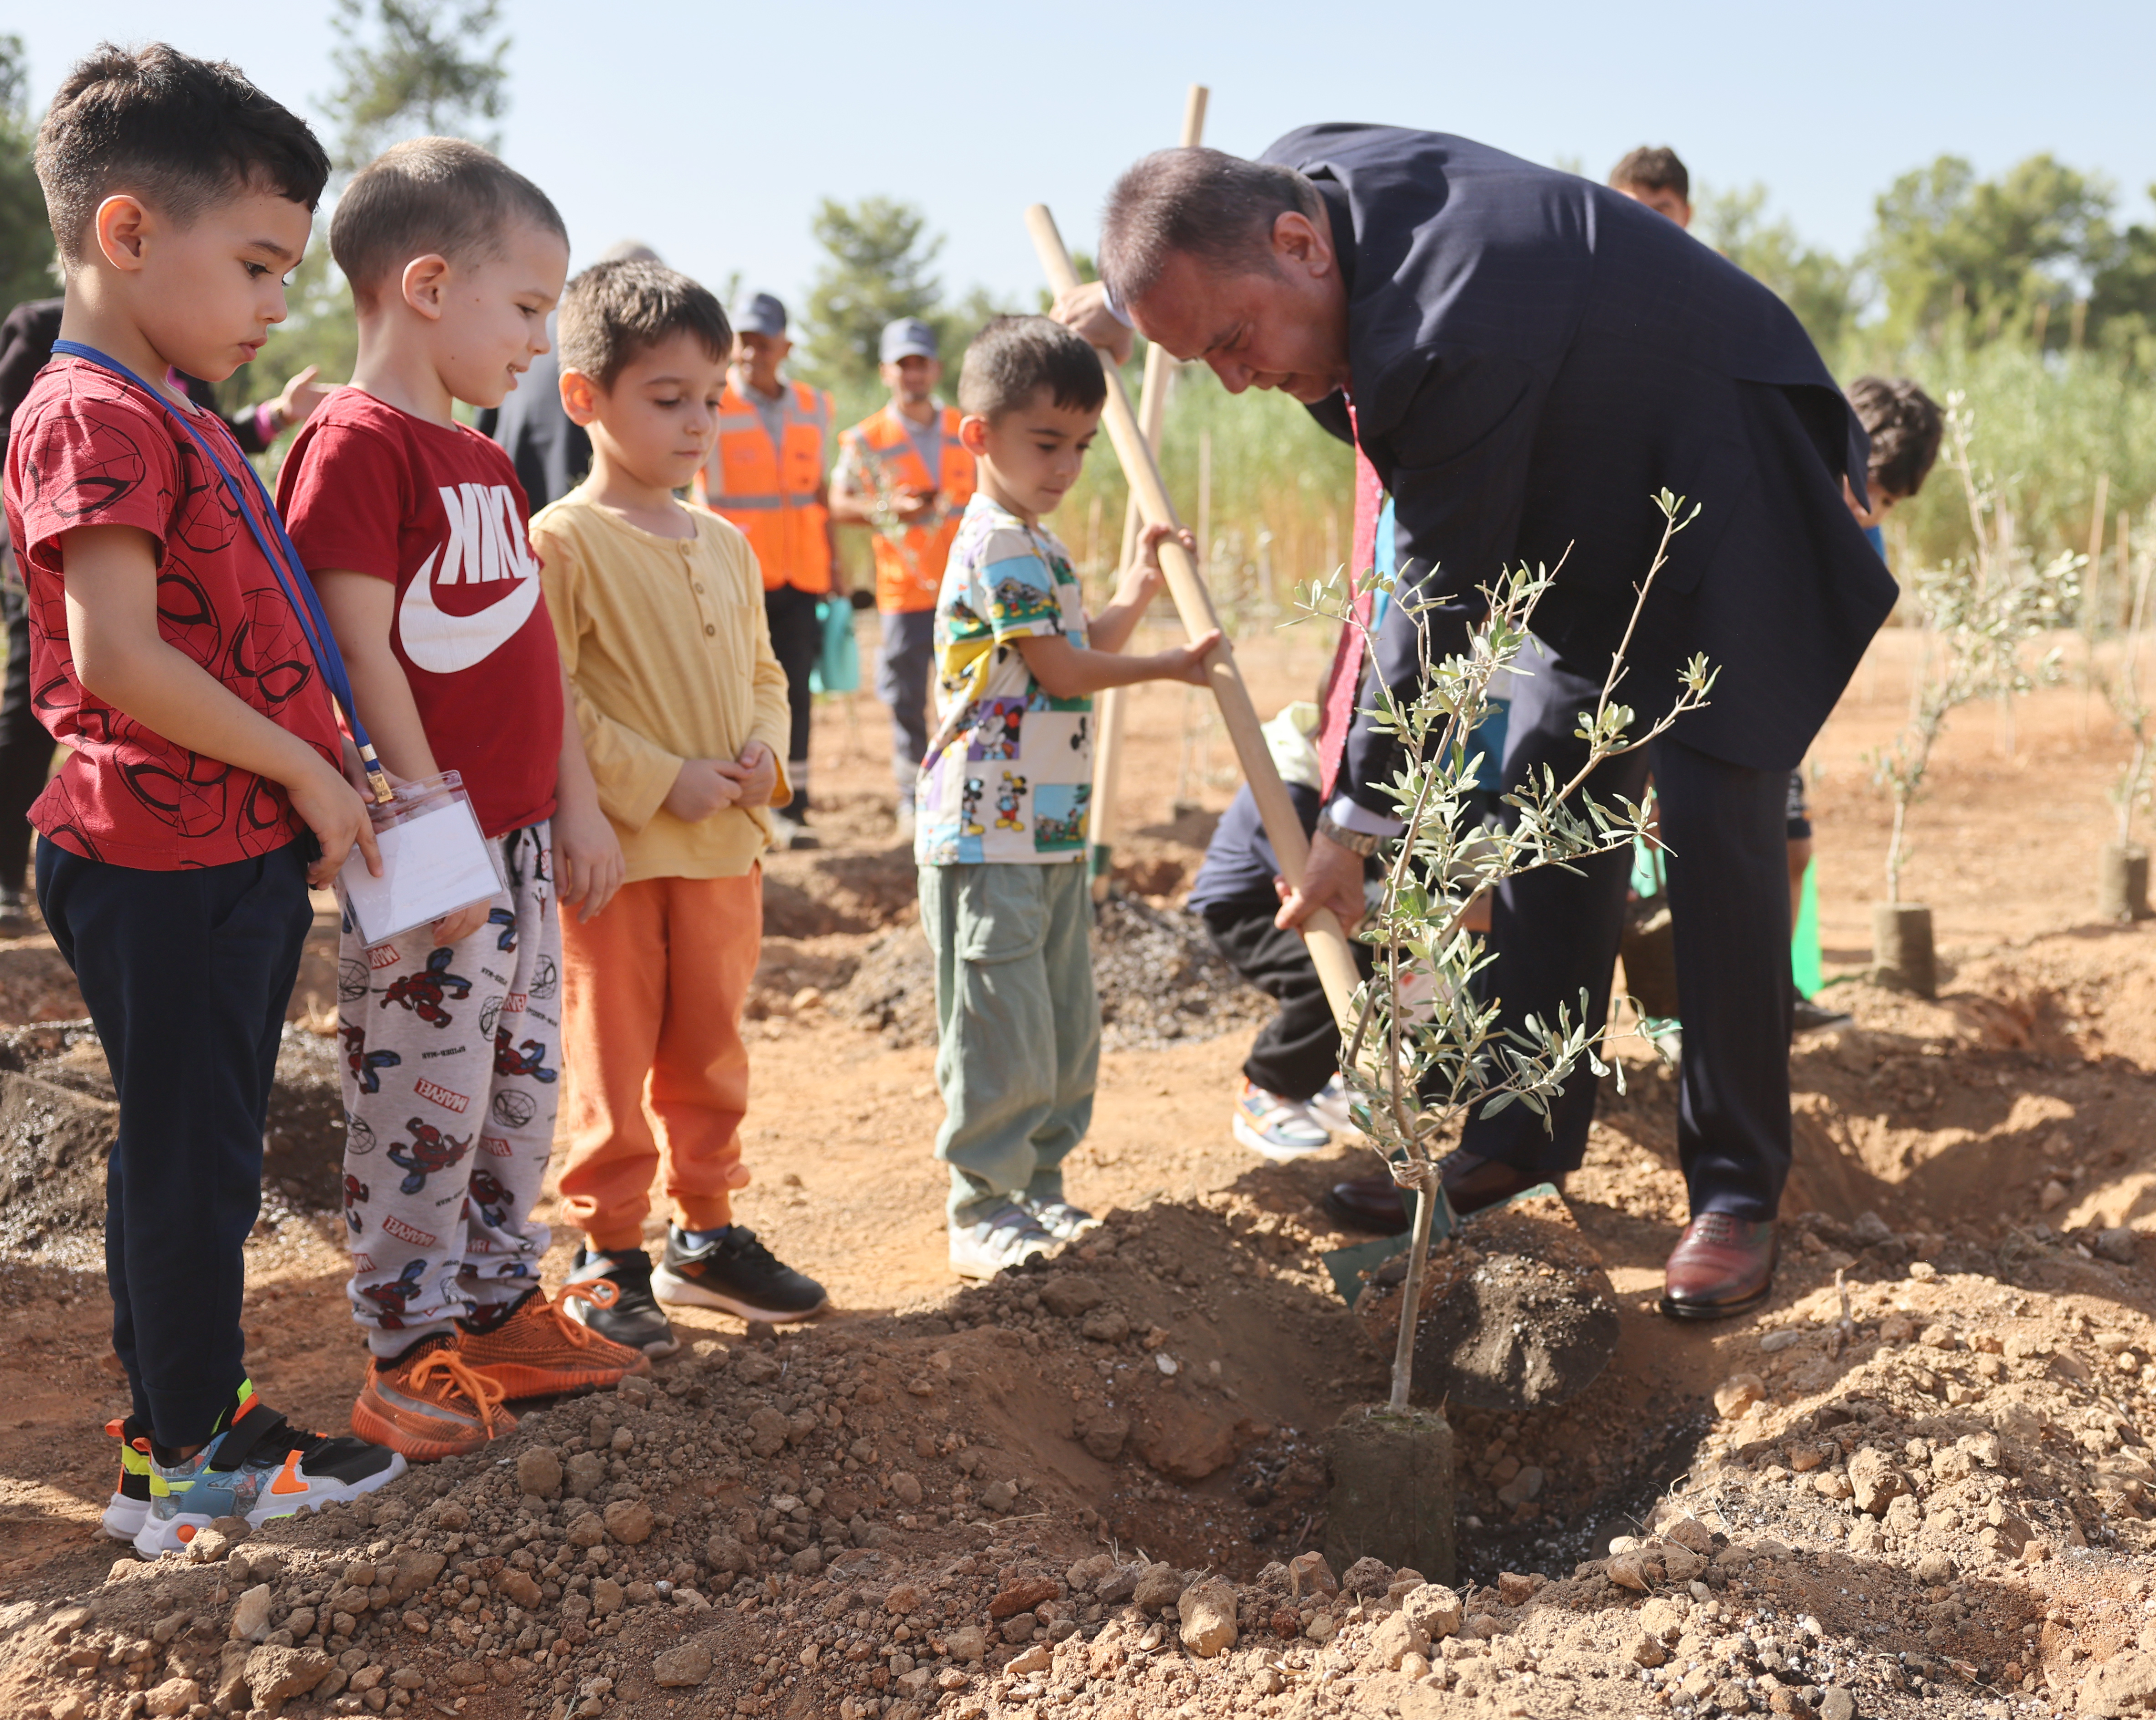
[[1008, 1235], [1063, 1221], [632, 1317], [1331, 1106], [1274, 1127]]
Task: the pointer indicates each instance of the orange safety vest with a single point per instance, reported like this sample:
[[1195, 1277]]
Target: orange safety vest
[[771, 492], [910, 570]]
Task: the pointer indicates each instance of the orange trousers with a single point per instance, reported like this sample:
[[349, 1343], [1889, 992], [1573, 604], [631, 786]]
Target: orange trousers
[[652, 1065]]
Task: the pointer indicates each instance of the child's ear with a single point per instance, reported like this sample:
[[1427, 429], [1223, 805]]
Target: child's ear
[[424, 282], [580, 398], [974, 435], [121, 226]]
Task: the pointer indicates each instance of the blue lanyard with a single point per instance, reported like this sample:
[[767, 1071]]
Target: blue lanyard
[[283, 561]]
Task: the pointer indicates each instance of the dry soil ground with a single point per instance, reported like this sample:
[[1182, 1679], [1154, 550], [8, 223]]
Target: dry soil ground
[[1915, 1481]]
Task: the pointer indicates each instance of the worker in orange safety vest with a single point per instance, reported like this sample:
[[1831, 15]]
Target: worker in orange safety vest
[[903, 472], [766, 474]]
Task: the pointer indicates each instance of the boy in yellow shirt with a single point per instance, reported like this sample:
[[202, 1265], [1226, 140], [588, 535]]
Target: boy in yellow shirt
[[659, 611]]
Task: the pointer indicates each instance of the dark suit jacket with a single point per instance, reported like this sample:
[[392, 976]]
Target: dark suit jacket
[[1534, 357]]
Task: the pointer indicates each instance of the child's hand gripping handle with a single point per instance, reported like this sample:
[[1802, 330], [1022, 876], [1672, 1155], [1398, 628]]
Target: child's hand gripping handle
[[1322, 931]]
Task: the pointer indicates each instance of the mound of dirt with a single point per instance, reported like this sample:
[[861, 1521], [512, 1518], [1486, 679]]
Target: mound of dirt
[[58, 1120], [1517, 1310], [1159, 977]]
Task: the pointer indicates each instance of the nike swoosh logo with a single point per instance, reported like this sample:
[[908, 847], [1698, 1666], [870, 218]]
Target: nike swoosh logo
[[443, 643]]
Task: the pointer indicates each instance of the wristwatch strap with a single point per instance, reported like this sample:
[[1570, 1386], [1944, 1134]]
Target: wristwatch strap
[[1354, 841]]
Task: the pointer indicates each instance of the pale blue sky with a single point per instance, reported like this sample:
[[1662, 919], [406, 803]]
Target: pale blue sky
[[710, 132]]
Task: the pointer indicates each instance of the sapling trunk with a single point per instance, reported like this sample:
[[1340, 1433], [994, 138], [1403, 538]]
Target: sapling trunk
[[1425, 1213]]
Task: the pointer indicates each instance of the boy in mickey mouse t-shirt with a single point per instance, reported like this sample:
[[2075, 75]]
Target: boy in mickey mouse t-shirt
[[414, 530]]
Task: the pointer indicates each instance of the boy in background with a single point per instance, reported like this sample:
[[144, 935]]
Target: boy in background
[[200, 794], [1002, 802], [414, 530], [904, 472], [1655, 177], [657, 610]]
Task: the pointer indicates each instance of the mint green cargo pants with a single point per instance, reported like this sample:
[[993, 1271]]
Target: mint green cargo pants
[[1017, 1025]]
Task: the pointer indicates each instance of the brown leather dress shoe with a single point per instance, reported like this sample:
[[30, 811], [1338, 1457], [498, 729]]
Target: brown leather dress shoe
[[1721, 1265], [1472, 1182], [1375, 1203]]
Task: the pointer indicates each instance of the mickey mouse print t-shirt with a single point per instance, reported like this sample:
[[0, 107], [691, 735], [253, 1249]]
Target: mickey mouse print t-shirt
[[91, 449], [1009, 770], [436, 511]]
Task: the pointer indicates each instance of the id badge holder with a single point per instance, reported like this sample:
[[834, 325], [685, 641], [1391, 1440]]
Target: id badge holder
[[435, 860]]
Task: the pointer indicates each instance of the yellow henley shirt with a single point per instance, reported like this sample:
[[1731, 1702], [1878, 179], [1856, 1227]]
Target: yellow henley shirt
[[669, 655]]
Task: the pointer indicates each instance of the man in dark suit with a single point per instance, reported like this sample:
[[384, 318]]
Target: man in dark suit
[[1527, 359]]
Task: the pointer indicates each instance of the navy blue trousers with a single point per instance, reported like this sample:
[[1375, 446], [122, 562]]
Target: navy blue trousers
[[1555, 934], [186, 975]]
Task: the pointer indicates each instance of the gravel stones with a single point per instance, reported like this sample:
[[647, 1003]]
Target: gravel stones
[[1160, 1586], [1206, 1610], [539, 1471], [630, 1521], [250, 1614], [1067, 1295], [679, 1668], [1874, 1481], [586, 1473], [275, 1675]]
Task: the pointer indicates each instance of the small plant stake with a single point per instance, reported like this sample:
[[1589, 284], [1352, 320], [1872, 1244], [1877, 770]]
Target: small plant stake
[[1979, 614], [1422, 1052], [2123, 872]]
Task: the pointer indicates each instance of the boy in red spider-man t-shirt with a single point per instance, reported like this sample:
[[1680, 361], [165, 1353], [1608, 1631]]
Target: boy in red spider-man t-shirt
[[202, 773]]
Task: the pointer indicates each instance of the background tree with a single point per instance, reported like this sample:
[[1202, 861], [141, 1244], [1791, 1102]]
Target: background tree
[[26, 240], [879, 265], [427, 69], [1947, 242]]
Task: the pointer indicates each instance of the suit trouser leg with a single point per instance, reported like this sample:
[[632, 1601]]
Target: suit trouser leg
[[1553, 931], [1725, 825]]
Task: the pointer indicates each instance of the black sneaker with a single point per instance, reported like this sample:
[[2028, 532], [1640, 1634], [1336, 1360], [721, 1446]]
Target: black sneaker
[[736, 1272], [632, 1318]]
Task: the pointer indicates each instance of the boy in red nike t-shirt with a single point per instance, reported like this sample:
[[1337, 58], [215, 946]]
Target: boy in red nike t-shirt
[[201, 778], [414, 530]]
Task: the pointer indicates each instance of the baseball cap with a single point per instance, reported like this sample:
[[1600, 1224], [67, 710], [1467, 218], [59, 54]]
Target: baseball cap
[[759, 314], [908, 337]]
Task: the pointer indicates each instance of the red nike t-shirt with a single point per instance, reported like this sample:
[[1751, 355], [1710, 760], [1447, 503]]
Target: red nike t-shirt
[[439, 513], [89, 448]]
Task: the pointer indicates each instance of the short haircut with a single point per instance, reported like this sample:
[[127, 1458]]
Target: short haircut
[[431, 196], [1015, 357], [1655, 169], [1904, 424], [179, 133], [614, 311], [1210, 205]]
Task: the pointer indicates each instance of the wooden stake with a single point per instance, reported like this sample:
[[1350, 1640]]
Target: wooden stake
[[1108, 708], [1322, 931], [2096, 541]]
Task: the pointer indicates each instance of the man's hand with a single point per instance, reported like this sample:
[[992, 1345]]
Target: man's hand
[[1084, 310], [1332, 878], [754, 774], [911, 505], [332, 809], [587, 858], [702, 787], [301, 396]]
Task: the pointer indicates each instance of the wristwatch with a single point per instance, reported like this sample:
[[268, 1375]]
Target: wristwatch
[[1354, 841]]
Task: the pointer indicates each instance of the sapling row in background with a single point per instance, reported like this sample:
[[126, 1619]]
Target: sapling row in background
[[2123, 872], [1980, 614], [1423, 1051]]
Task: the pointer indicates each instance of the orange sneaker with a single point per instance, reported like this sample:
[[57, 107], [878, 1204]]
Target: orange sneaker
[[430, 1404], [533, 1351]]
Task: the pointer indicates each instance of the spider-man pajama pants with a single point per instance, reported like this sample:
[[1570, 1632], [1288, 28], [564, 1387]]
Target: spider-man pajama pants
[[451, 1068]]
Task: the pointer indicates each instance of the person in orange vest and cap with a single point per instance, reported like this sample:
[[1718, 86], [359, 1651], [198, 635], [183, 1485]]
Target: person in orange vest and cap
[[903, 472], [767, 476]]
